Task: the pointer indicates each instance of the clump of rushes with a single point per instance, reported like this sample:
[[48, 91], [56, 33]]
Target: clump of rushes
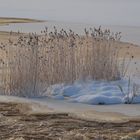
[[133, 90], [33, 62]]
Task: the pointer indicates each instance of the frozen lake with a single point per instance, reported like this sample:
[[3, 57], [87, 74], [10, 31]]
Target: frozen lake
[[129, 33], [93, 112], [104, 12], [120, 15]]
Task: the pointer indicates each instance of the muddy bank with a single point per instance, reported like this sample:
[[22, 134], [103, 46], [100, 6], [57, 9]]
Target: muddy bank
[[16, 121]]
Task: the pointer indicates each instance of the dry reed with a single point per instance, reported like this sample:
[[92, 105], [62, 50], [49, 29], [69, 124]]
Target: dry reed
[[33, 62]]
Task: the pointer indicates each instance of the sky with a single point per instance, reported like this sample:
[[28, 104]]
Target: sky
[[107, 12]]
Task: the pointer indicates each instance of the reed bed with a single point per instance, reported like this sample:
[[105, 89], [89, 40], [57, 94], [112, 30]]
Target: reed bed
[[33, 62]]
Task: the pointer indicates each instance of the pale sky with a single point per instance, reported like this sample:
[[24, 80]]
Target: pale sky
[[110, 12]]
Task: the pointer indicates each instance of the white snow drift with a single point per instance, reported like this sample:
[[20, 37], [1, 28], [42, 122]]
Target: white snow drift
[[93, 92]]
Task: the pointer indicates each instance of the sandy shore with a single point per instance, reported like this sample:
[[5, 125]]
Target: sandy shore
[[5, 20], [22, 121]]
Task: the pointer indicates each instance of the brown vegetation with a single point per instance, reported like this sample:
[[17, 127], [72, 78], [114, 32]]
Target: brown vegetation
[[33, 62], [15, 124]]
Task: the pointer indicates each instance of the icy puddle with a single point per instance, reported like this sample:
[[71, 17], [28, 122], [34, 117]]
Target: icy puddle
[[111, 113]]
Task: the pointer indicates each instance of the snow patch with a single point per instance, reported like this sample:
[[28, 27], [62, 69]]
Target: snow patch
[[91, 92]]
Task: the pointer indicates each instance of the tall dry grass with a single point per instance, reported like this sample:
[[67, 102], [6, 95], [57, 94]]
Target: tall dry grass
[[33, 62]]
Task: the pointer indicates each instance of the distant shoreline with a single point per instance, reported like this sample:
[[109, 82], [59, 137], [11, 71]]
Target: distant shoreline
[[9, 20]]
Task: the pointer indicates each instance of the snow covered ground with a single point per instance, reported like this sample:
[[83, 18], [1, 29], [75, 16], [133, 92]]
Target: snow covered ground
[[94, 92]]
